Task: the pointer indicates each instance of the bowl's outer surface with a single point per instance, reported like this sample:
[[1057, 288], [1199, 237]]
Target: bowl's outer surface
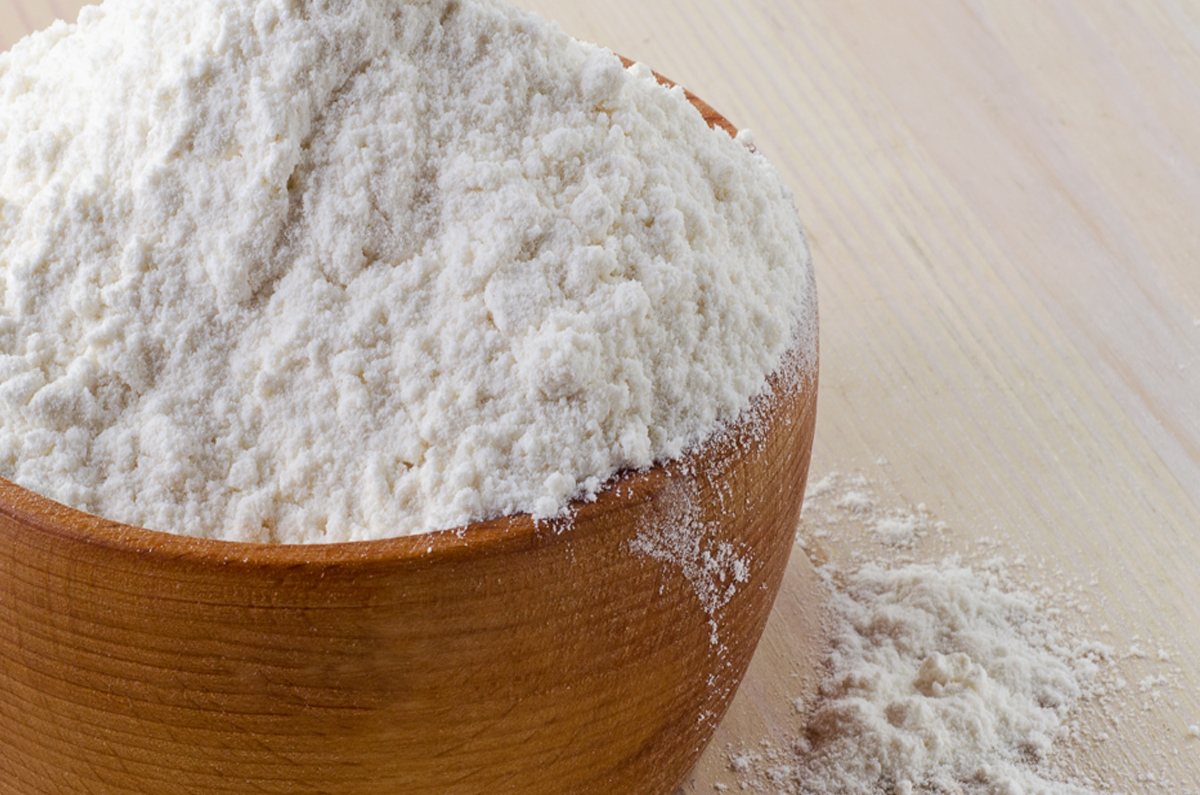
[[537, 659]]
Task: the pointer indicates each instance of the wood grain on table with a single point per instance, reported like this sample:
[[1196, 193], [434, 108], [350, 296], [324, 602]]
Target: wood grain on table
[[1003, 201]]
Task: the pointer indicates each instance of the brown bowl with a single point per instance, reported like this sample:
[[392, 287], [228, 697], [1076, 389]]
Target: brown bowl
[[589, 656]]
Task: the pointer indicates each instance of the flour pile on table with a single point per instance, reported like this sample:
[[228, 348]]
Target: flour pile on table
[[319, 271], [941, 678]]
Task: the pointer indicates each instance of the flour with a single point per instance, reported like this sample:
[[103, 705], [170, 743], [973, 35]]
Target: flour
[[942, 679], [674, 533], [942, 676], [321, 271]]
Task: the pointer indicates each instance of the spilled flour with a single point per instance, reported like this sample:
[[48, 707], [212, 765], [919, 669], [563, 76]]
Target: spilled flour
[[941, 678], [947, 675], [676, 535]]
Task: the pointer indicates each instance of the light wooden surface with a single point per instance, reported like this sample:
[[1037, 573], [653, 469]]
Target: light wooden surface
[[1003, 199]]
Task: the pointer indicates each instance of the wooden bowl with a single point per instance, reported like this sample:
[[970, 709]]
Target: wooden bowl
[[590, 656]]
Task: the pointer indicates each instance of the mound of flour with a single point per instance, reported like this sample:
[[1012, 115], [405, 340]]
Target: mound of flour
[[318, 270], [942, 678], [952, 667]]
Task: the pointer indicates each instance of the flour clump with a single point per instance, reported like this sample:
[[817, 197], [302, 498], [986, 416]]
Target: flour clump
[[322, 271]]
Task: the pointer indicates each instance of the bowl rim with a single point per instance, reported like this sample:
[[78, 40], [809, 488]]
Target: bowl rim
[[35, 512]]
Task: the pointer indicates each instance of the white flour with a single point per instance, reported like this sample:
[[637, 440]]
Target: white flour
[[942, 678], [318, 271], [677, 535]]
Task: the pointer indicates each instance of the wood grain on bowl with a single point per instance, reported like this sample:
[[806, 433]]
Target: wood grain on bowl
[[511, 656]]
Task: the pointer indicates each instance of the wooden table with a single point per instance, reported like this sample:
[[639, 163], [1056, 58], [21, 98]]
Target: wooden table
[[1003, 200]]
